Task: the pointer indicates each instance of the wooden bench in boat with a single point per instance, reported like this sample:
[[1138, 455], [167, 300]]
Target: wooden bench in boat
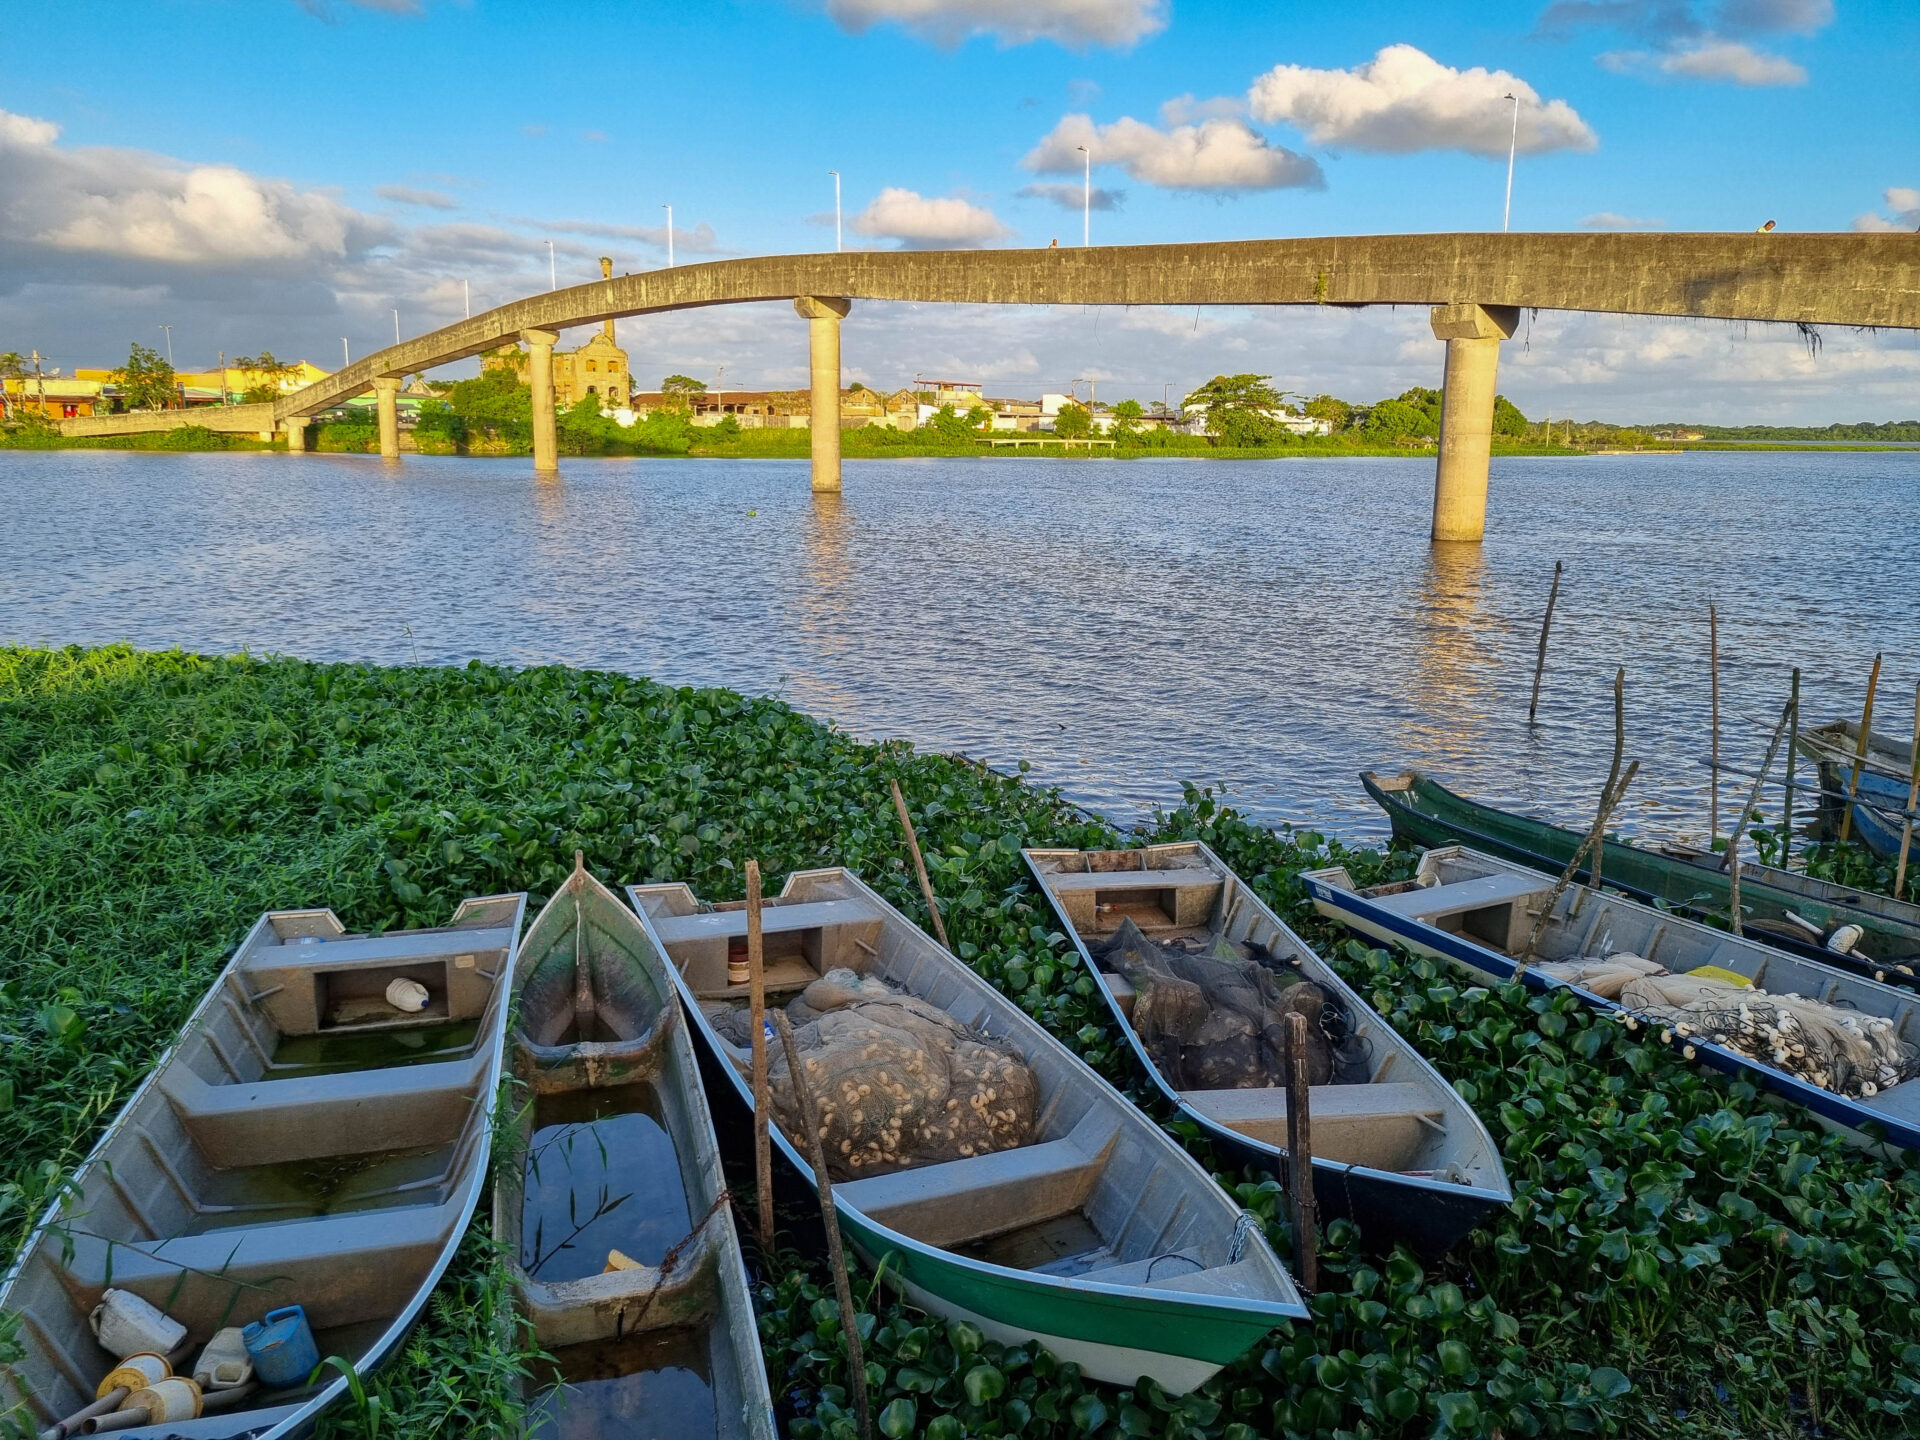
[[343, 1269], [1486, 908], [341, 984], [1097, 901], [963, 1200], [356, 1112], [1383, 1126], [800, 942]]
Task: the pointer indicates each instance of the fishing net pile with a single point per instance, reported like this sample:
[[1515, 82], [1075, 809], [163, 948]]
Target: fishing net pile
[[1840, 1050], [897, 1082], [1212, 1016]]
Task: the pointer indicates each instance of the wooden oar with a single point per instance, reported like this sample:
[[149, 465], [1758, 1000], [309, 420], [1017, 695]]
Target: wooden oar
[[757, 1016], [836, 1256], [1566, 876], [1860, 756], [1613, 770], [1913, 795], [913, 846]]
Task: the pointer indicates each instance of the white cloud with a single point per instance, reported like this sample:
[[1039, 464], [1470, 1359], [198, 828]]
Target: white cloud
[[1712, 58], [1074, 23], [1904, 202], [1219, 155], [921, 223], [1607, 220], [1403, 100], [407, 195], [1073, 197]]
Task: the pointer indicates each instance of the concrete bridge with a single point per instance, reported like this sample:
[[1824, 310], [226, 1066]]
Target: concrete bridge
[[1476, 284]]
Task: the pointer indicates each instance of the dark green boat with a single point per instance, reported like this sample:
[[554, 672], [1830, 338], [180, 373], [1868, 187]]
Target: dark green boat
[[1795, 912]]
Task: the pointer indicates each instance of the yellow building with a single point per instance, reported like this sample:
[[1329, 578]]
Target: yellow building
[[597, 368]]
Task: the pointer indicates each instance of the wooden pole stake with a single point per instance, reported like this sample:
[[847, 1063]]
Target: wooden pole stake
[[1613, 770], [1306, 1210], [1566, 876], [757, 1017], [1793, 744], [1732, 862], [836, 1256], [1713, 782], [1913, 796], [919, 865], [1860, 755], [1540, 660]]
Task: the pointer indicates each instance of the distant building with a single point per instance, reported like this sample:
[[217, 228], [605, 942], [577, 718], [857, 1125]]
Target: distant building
[[57, 397]]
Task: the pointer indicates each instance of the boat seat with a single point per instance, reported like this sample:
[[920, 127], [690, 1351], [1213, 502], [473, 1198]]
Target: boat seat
[[774, 920], [338, 985], [1382, 1126], [1132, 879], [357, 1112], [1174, 1272], [964, 1200], [343, 1269], [1480, 893], [1096, 902]]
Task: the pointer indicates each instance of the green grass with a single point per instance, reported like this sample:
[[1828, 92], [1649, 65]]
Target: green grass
[[1685, 1256]]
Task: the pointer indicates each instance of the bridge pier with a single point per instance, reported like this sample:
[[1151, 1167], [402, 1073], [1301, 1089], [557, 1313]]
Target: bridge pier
[[386, 393], [1473, 334], [296, 428], [546, 444], [823, 315]]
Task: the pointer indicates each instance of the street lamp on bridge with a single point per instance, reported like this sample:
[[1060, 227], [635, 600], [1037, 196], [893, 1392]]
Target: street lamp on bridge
[[1513, 141], [1086, 199], [836, 210], [669, 210]]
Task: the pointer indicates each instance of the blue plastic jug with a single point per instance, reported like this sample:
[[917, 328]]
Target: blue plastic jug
[[282, 1348]]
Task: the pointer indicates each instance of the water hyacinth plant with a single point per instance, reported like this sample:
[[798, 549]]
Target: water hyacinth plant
[[1685, 1256]]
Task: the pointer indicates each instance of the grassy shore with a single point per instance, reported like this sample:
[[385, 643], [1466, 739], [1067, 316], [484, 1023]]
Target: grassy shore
[[1684, 1257]]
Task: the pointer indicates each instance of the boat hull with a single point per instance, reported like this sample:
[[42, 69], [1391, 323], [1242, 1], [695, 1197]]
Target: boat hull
[[1366, 917], [1425, 813]]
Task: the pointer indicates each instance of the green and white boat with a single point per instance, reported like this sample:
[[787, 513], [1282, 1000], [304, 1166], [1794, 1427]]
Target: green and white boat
[[1101, 1239]]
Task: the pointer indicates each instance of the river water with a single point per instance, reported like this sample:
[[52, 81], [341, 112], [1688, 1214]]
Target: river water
[[1270, 627]]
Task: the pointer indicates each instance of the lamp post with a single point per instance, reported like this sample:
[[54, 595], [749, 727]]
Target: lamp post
[[169, 330], [1086, 200], [836, 210], [345, 358], [396, 327], [466, 290], [669, 210], [553, 275], [1513, 141]]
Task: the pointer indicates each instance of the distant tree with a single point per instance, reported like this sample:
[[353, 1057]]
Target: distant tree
[[1073, 422], [1238, 409], [683, 385], [950, 425], [1507, 419], [269, 372], [495, 402], [1397, 420], [146, 381], [13, 366], [1128, 410], [727, 429], [1337, 413], [979, 418]]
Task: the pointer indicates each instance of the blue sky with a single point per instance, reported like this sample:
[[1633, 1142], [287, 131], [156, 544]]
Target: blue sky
[[272, 174]]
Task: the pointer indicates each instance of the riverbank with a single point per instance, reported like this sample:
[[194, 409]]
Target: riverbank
[[1684, 1257]]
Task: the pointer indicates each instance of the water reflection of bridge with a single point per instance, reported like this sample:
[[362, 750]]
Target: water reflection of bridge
[[1476, 284]]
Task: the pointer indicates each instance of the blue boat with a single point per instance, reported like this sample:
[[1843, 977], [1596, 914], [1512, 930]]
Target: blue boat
[[1477, 912], [1879, 799]]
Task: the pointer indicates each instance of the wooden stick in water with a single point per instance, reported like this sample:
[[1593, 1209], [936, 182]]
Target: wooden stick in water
[[1913, 796], [1613, 770], [1732, 862], [583, 1009], [1793, 744], [1860, 755], [1566, 876], [757, 1017], [836, 1256], [1713, 669], [1305, 1209], [1540, 661], [919, 865]]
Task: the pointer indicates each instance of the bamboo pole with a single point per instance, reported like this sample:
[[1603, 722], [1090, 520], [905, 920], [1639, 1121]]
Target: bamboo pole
[[836, 1256], [1793, 744], [1913, 796], [1305, 1208], [1860, 755], [1713, 669], [757, 1017], [1566, 876], [919, 865], [1540, 660], [1613, 770], [1732, 862]]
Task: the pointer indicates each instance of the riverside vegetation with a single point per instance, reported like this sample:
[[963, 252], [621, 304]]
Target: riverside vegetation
[[1684, 1256]]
